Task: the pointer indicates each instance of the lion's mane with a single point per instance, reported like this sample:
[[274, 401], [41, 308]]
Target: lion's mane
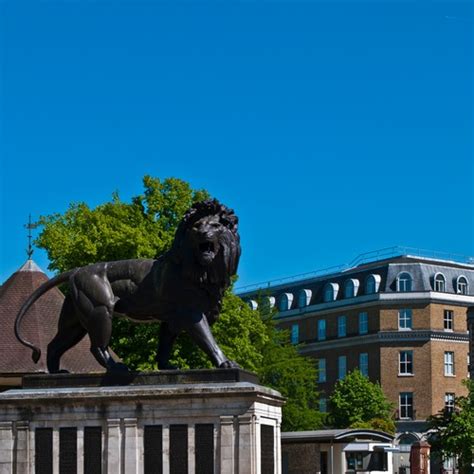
[[218, 274]]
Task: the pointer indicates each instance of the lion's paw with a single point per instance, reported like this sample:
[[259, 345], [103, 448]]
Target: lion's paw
[[119, 369]]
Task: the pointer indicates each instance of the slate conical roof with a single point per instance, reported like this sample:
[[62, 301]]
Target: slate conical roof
[[38, 326]]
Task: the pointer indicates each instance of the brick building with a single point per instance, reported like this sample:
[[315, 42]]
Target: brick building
[[401, 320]]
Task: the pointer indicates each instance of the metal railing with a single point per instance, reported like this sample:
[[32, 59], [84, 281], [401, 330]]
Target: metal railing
[[362, 259]]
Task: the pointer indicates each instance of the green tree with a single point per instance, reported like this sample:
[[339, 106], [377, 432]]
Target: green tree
[[358, 403], [144, 228], [453, 431], [294, 376]]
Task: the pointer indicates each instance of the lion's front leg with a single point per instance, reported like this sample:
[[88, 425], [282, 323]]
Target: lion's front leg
[[201, 333]]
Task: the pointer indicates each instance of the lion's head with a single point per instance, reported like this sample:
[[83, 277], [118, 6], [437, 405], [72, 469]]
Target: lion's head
[[207, 243]]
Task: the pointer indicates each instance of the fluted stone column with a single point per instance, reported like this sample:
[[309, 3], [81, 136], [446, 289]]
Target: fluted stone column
[[227, 443], [247, 445], [6, 447], [166, 449], [114, 446], [131, 445], [22, 447]]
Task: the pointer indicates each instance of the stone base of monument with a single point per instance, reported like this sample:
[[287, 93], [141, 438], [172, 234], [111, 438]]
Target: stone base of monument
[[176, 422]]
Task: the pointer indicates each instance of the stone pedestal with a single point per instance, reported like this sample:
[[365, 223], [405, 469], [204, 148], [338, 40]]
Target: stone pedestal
[[168, 422]]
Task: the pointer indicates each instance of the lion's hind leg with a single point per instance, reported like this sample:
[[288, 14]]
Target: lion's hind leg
[[95, 302], [100, 331], [70, 332]]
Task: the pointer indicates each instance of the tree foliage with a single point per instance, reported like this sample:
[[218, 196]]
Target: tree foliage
[[358, 403], [294, 376], [144, 228], [453, 431]]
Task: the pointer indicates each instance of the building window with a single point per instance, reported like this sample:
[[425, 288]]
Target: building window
[[462, 286], [405, 363], [295, 333], [449, 363], [267, 303], [304, 298], [341, 326], [321, 330], [405, 319], [364, 363], [341, 367], [253, 304], [404, 282], [439, 283], [323, 405], [406, 405], [363, 323], [330, 292], [449, 402], [321, 370], [448, 320], [286, 299], [372, 284], [351, 288]]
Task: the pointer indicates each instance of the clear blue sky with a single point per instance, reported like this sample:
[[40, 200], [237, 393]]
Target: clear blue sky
[[332, 128]]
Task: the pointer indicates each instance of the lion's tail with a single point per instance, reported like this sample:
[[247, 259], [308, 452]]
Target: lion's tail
[[31, 299]]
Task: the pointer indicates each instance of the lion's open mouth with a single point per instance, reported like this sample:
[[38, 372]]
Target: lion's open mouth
[[206, 247]]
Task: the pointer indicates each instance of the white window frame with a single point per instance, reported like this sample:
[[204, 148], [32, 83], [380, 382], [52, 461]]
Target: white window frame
[[253, 305], [295, 333], [405, 363], [322, 370], [341, 367], [304, 298], [404, 285], [341, 326], [363, 322], [403, 319], [449, 364], [321, 329], [439, 283], [372, 284], [405, 406], [286, 300], [465, 284], [449, 401], [269, 301], [330, 292], [351, 288], [448, 321], [364, 363]]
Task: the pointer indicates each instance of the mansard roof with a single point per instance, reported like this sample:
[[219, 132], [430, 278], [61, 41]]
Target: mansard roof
[[421, 270]]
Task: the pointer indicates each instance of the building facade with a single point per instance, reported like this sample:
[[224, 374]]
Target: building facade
[[402, 321]]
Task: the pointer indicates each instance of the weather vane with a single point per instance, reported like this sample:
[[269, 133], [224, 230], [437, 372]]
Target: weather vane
[[30, 226]]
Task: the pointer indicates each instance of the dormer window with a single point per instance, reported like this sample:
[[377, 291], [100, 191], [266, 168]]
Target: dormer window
[[372, 284], [286, 299], [404, 282], [330, 292], [462, 287], [351, 288], [304, 298], [267, 303], [439, 283], [253, 305]]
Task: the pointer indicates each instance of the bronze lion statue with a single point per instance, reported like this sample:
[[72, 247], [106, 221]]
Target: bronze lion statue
[[183, 289]]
